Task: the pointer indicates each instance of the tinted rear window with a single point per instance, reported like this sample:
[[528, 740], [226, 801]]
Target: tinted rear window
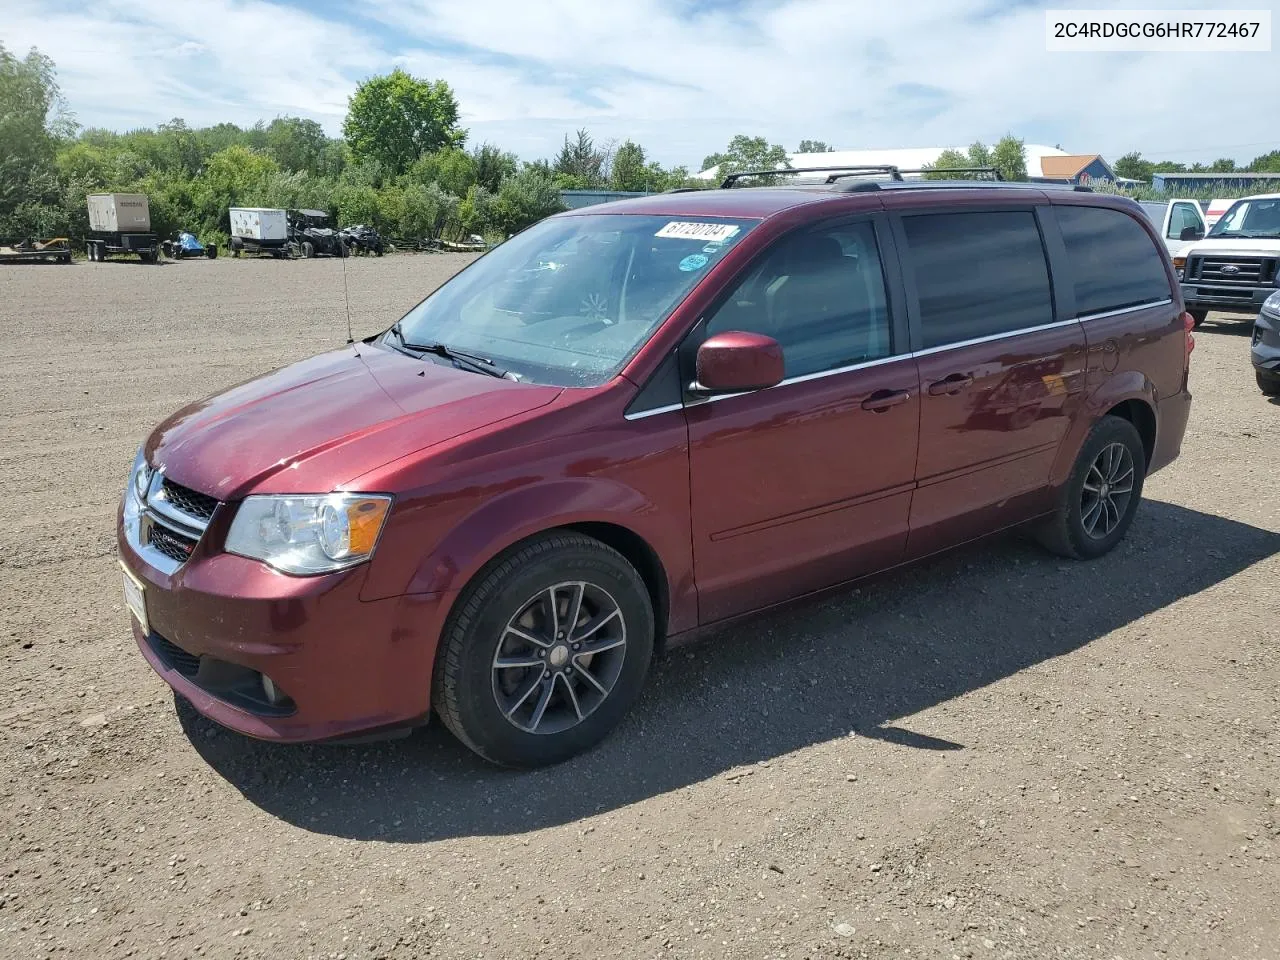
[[1113, 260], [978, 274]]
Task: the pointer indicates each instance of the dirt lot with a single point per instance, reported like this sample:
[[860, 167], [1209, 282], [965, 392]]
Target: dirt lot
[[996, 754]]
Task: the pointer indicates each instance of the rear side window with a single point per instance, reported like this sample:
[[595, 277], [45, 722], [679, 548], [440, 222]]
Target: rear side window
[[1114, 261], [978, 274]]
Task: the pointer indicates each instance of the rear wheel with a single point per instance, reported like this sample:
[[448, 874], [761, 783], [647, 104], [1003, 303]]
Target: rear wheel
[[1197, 316], [545, 652], [1268, 383], [1098, 501], [211, 251]]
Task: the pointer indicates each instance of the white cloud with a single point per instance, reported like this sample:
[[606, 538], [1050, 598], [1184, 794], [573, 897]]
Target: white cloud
[[679, 77]]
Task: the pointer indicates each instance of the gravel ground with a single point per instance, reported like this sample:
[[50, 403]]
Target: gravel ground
[[994, 754]]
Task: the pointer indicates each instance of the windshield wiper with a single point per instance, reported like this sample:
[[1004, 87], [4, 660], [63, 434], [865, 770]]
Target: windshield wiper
[[468, 361]]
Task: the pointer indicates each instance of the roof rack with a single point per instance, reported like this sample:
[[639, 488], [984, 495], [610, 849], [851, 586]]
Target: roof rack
[[685, 190], [995, 174], [849, 171]]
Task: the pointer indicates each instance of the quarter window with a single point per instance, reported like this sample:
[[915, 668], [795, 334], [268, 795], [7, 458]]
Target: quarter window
[[820, 294], [978, 274], [1114, 261]]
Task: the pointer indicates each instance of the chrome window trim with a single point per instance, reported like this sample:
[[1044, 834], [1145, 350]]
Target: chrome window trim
[[991, 338], [928, 351], [1101, 314], [641, 414]]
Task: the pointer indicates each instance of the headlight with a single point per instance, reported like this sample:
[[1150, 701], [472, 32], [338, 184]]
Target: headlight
[[1271, 306], [309, 534], [1179, 264], [139, 481]]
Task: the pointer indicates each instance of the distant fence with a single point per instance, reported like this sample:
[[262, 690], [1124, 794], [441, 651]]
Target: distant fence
[[573, 199]]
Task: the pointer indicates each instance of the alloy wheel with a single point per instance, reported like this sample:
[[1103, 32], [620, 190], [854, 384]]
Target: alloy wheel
[[1108, 488], [559, 657]]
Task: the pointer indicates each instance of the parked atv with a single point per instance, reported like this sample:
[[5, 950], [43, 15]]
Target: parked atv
[[310, 235], [185, 246], [364, 240]]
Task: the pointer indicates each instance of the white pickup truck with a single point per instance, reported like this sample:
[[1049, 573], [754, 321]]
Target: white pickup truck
[[1237, 265]]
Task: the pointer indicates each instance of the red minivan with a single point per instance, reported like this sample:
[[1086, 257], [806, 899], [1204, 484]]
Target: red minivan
[[634, 420]]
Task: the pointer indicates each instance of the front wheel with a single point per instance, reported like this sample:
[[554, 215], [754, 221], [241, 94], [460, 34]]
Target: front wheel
[[1268, 383], [1098, 501], [545, 652]]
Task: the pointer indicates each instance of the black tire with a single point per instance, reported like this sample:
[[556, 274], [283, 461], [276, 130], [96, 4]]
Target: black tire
[[211, 251], [308, 250], [1268, 383], [1066, 532], [465, 690], [1197, 317]]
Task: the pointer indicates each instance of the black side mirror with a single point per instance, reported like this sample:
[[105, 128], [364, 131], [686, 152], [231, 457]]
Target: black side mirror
[[1191, 233]]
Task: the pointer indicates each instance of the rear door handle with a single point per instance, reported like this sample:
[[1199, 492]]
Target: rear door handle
[[952, 384], [882, 400]]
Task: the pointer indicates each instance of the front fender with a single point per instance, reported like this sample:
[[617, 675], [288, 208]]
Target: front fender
[[1116, 389], [512, 516]]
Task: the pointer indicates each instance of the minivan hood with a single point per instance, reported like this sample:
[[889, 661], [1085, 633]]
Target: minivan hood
[[312, 426]]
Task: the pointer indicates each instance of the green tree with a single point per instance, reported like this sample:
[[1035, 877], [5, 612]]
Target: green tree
[[523, 200], [580, 165], [814, 146], [748, 153], [397, 118], [453, 169], [234, 177], [630, 171], [1224, 165], [947, 160], [32, 120], [1267, 163], [297, 144], [1009, 157], [1132, 167], [492, 166]]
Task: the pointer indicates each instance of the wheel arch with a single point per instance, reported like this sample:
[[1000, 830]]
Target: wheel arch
[[1130, 395]]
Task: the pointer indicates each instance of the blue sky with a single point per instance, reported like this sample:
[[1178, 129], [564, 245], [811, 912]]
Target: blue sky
[[679, 76]]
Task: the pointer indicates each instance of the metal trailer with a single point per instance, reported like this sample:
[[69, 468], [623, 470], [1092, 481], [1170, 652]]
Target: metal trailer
[[120, 223], [34, 251], [260, 230]]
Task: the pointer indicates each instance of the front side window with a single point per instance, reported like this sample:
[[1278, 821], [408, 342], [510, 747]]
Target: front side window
[[820, 293], [1184, 215], [570, 300], [978, 274], [1114, 261]]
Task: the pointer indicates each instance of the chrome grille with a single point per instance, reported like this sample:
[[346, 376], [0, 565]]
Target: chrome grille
[[1250, 271], [171, 523]]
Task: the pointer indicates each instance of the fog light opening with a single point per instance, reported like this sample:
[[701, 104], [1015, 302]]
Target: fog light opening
[[274, 696]]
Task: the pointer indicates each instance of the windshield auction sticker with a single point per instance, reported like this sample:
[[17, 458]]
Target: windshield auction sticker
[[702, 232]]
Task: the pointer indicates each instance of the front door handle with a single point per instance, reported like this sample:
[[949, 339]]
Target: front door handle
[[882, 400], [950, 385]]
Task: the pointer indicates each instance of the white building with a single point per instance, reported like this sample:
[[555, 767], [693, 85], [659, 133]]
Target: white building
[[904, 158]]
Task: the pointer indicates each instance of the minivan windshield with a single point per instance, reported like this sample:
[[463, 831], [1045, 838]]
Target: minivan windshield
[[1259, 219], [570, 300]]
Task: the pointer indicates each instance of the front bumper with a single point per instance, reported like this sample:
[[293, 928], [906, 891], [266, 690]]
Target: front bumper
[[341, 666], [1265, 351], [1225, 299]]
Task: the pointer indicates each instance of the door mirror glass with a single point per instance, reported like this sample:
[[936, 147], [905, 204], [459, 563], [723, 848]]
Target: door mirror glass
[[1191, 233], [735, 361]]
